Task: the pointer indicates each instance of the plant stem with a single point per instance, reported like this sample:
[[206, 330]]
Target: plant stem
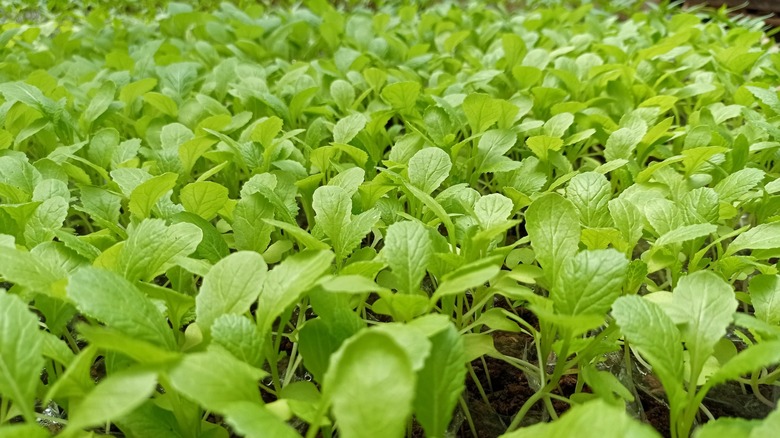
[[469, 420], [480, 389]]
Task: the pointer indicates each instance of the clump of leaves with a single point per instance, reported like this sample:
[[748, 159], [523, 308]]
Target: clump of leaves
[[282, 221]]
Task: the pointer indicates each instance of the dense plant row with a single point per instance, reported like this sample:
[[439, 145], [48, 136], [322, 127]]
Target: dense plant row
[[307, 221]]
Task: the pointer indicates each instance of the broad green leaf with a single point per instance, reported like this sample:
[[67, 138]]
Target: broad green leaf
[[493, 210], [700, 206], [654, 334], [300, 235], [408, 250], [116, 395], [429, 168], [30, 96], [368, 373], [204, 198], [103, 206], [152, 247], [707, 303], [622, 143], [482, 111], [212, 246], [685, 233], [114, 301], [612, 421], [738, 183], [287, 282], [215, 380], [764, 236], [317, 343], [590, 282], [252, 420], [230, 287], [333, 209], [765, 297], [754, 358], [162, 103], [492, 147], [440, 382], [238, 335], [553, 225], [627, 218], [45, 221], [149, 420], [541, 145], [23, 431], [590, 192], [401, 95], [146, 194], [21, 358], [100, 103], [24, 269], [250, 230], [347, 128], [469, 276]]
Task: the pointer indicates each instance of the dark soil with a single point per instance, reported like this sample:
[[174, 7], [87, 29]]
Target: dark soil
[[507, 388]]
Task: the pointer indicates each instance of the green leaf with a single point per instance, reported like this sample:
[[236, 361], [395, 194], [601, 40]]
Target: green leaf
[[705, 303], [541, 145], [45, 221], [469, 276], [300, 235], [100, 103], [152, 247], [590, 282], [347, 128], [149, 420], [482, 111], [145, 195], [117, 395], [287, 282], [685, 233], [215, 380], [590, 192], [333, 209], [21, 359], [114, 301], [765, 297], [401, 95], [23, 431], [440, 382], [250, 230], [492, 147], [612, 421], [162, 103], [27, 270], [238, 335], [230, 287], [367, 374], [493, 210], [30, 96], [252, 420], [732, 187], [764, 236], [428, 168], [553, 225], [204, 198], [627, 218], [622, 143], [754, 358], [408, 250], [655, 335]]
